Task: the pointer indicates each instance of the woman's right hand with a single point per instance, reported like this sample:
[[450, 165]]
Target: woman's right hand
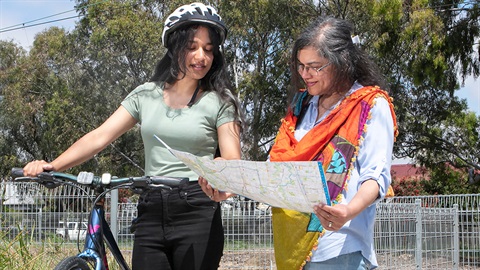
[[35, 167], [213, 194]]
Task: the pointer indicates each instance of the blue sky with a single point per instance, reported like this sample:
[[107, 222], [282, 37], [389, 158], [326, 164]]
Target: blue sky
[[18, 13], [15, 13]]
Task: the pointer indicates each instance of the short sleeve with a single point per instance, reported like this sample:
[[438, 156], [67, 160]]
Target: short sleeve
[[132, 104], [226, 114]]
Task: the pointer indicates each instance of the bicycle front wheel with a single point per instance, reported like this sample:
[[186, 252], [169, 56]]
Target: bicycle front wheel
[[72, 263]]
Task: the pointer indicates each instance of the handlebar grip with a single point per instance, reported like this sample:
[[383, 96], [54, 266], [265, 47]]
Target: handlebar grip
[[17, 172], [169, 181]]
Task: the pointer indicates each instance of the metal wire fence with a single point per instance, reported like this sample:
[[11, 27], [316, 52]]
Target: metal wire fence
[[409, 236], [426, 232]]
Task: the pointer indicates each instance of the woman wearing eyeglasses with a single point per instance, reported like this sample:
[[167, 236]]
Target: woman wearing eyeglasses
[[343, 119]]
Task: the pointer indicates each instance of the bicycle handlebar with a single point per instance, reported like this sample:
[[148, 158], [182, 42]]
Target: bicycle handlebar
[[54, 179]]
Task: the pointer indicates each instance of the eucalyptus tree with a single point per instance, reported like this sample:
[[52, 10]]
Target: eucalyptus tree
[[28, 88], [11, 58], [426, 49]]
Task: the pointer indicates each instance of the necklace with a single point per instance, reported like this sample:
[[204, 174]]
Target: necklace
[[194, 96]]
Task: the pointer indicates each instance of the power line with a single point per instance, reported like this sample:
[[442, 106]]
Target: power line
[[24, 25], [27, 26]]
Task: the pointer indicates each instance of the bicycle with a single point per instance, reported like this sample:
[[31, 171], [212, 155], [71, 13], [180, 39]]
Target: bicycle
[[99, 232]]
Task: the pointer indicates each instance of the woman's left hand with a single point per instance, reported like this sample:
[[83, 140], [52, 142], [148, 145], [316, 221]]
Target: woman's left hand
[[332, 218], [213, 194]]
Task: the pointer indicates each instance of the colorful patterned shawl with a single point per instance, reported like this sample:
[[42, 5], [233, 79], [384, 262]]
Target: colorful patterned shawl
[[334, 142]]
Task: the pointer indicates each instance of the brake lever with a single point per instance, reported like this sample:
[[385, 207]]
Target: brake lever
[[48, 180]]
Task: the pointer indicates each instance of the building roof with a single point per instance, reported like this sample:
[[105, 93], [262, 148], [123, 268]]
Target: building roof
[[399, 171]]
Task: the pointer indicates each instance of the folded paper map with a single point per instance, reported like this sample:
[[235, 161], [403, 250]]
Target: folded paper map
[[293, 185]]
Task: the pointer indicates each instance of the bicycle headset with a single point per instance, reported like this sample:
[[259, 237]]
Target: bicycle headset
[[191, 14]]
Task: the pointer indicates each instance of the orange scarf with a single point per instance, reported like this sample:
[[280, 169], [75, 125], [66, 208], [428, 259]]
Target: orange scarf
[[334, 142]]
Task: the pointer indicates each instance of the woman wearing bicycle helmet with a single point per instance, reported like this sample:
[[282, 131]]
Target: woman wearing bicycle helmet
[[187, 104]]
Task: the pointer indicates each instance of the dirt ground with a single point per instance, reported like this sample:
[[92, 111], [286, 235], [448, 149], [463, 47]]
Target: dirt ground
[[266, 260], [247, 260]]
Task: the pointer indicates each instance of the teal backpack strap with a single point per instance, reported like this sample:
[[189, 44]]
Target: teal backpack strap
[[298, 101]]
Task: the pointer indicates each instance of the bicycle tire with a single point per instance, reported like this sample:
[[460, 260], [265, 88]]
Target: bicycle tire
[[72, 263]]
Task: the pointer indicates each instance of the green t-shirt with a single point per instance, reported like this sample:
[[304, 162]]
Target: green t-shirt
[[193, 130]]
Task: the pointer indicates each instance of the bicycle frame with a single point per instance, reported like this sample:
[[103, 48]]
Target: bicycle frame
[[99, 232]]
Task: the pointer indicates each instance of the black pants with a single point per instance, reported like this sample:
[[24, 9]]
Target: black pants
[[179, 229]]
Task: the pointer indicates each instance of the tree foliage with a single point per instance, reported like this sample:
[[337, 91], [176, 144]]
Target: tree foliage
[[424, 46], [70, 82], [445, 179]]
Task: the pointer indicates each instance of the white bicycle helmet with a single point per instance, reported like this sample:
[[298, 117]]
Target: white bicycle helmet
[[194, 13]]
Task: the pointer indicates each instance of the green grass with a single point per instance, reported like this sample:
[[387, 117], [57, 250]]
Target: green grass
[[20, 253], [23, 253]]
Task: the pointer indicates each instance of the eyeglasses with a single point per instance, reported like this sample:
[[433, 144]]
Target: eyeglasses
[[311, 70]]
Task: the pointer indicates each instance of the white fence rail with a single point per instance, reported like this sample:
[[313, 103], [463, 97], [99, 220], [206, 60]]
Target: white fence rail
[[427, 232]]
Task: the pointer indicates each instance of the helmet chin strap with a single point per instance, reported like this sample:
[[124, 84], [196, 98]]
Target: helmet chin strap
[[194, 96]]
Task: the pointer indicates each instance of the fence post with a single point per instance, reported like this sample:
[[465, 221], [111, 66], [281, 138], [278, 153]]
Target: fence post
[[418, 230], [39, 223], [114, 213], [456, 235]]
